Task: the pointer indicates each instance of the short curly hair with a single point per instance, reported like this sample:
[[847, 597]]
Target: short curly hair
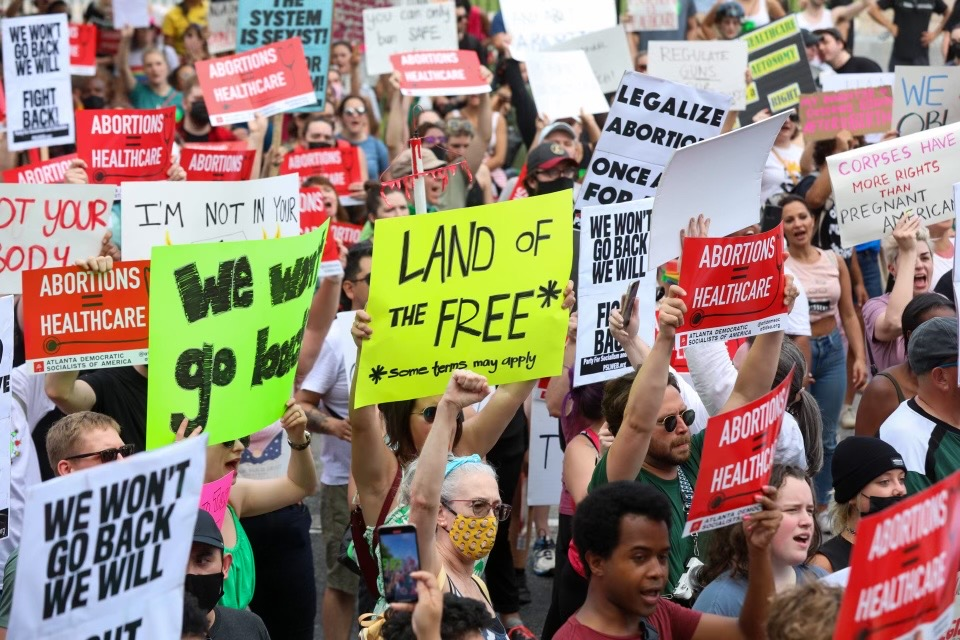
[[461, 617], [805, 612]]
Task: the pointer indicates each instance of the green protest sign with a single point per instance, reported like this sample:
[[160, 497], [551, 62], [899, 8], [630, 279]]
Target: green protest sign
[[226, 337]]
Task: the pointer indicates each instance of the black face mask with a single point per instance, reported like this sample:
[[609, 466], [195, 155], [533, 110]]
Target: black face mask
[[206, 589], [319, 145], [440, 152], [879, 504], [199, 114], [94, 102], [560, 184]]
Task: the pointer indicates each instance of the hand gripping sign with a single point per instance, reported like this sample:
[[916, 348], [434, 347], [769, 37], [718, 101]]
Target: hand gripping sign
[[132, 145]]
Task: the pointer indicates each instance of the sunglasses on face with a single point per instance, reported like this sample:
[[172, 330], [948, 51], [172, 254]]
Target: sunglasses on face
[[245, 441], [429, 414], [481, 508], [107, 455], [432, 141], [670, 422], [355, 111]]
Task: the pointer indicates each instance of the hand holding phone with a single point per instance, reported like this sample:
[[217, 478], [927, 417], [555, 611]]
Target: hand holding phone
[[399, 558], [628, 301]]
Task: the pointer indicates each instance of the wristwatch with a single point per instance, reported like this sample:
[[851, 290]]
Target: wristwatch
[[301, 446]]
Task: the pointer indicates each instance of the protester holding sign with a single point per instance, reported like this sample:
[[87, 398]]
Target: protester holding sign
[[156, 92], [359, 128]]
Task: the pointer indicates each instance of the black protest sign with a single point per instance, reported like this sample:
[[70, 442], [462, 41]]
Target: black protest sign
[[778, 66]]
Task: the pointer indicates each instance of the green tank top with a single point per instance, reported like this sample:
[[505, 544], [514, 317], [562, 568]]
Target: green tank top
[[242, 578]]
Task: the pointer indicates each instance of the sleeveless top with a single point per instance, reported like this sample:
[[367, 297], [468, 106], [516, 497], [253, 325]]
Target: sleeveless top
[[567, 506], [496, 630], [837, 550], [821, 281], [240, 582], [896, 385], [761, 17]]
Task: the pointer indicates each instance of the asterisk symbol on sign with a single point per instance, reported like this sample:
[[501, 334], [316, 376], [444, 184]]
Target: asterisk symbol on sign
[[549, 293], [377, 373]]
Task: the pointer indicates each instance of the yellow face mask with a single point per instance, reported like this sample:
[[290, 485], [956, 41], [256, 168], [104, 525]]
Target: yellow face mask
[[473, 537]]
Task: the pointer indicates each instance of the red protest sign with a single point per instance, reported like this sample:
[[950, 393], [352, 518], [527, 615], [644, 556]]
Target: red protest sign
[[340, 164], [74, 319], [226, 145], [734, 287], [737, 460], [268, 80], [129, 145], [312, 210], [201, 164], [83, 49], [859, 111], [49, 172], [348, 234], [439, 73], [903, 569]]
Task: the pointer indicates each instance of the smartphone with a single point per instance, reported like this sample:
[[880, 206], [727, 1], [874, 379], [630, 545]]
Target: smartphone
[[399, 557], [630, 299]]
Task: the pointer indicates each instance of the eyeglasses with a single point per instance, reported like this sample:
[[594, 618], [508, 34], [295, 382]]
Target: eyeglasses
[[432, 141], [429, 414], [245, 441], [948, 365], [481, 508], [557, 172], [670, 422], [355, 111], [365, 278], [107, 455]]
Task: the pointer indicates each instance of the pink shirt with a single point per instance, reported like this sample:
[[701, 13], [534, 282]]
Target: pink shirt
[[671, 622], [821, 281], [882, 354]]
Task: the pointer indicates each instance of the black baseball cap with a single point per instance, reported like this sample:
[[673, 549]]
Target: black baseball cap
[[547, 155], [206, 531], [832, 32]]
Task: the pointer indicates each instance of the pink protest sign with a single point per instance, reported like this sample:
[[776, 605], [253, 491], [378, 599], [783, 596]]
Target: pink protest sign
[[214, 497]]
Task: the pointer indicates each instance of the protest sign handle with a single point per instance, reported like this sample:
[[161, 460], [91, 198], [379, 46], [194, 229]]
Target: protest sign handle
[[44, 154], [419, 186]]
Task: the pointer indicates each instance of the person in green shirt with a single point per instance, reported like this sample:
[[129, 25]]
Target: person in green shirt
[[157, 92]]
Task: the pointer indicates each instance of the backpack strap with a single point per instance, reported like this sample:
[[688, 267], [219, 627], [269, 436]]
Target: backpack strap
[[358, 527]]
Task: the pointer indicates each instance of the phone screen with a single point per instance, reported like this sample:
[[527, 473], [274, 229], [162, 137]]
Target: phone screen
[[630, 298], [399, 557]]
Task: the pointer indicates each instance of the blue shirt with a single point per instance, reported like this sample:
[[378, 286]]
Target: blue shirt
[[725, 595], [378, 158]]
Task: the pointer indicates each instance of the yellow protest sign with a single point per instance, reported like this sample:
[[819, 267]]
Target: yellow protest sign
[[478, 288], [225, 334]]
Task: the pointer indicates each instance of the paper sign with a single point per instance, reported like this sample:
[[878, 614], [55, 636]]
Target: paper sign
[[194, 212], [312, 216], [215, 495], [925, 98], [217, 165], [228, 325], [88, 574], [49, 226], [439, 73], [726, 171], [130, 13], [341, 165], [348, 234], [393, 30], [126, 145], [719, 66], [552, 73], [265, 81], [538, 25], [649, 119], [222, 26], [734, 287], [903, 569], [83, 49], [478, 288], [36, 76], [6, 402], [545, 469], [226, 145], [875, 185], [778, 66], [737, 460], [348, 18], [613, 253], [653, 15], [49, 172], [608, 53], [841, 81], [74, 319], [859, 111]]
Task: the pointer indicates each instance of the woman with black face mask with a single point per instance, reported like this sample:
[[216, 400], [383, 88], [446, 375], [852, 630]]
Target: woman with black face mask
[[868, 476], [195, 125]]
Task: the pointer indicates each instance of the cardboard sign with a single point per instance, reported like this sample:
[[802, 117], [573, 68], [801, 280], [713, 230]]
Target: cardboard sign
[[439, 73], [726, 171], [875, 185], [779, 67], [195, 212], [903, 569], [127, 145], [130, 13], [49, 226], [925, 98], [74, 319], [717, 66], [83, 49], [551, 75], [36, 76], [613, 253], [228, 325], [222, 26], [341, 165], [860, 111], [538, 25], [496, 309], [545, 470], [649, 119], [217, 165], [265, 81], [737, 461], [608, 53], [348, 18], [394, 30], [50, 172], [107, 549], [215, 495], [264, 22], [653, 15], [734, 287], [841, 81]]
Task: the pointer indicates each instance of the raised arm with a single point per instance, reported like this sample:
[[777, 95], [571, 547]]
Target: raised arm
[[481, 139], [323, 310], [127, 81], [888, 326], [559, 386]]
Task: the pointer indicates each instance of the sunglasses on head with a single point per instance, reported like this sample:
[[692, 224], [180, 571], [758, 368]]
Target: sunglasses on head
[[429, 414], [355, 111], [670, 422], [107, 455], [245, 441]]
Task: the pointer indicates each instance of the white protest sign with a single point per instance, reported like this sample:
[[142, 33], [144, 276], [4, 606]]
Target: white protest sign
[[653, 15], [719, 66], [36, 77], [107, 548], [876, 185], [538, 25], [925, 98], [222, 23], [551, 76], [608, 53], [726, 172], [841, 81], [544, 479], [614, 241], [153, 213], [428, 27], [132, 13], [6, 369], [649, 119]]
